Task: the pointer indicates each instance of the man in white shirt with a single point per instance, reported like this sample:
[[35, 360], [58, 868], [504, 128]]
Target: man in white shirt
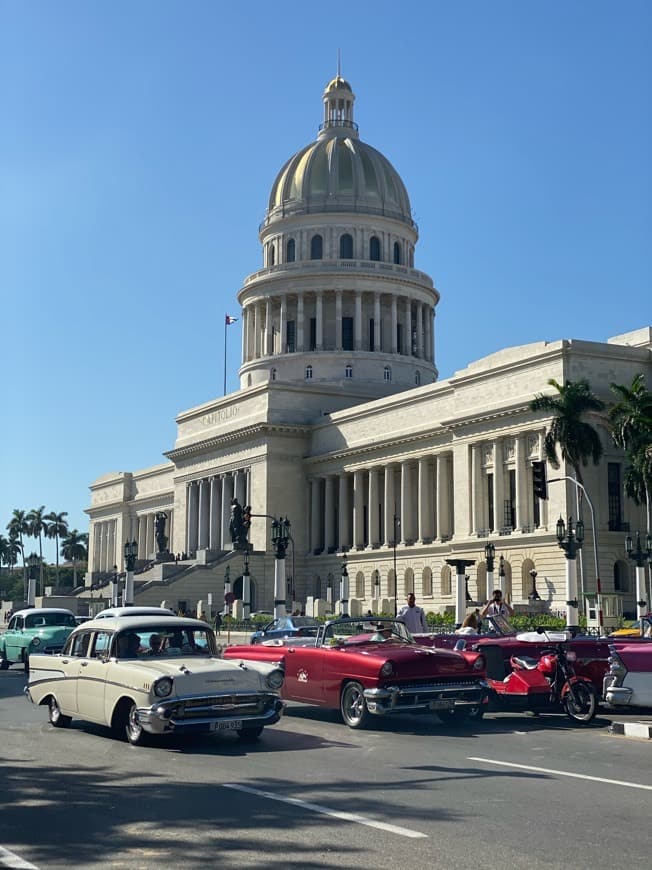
[[497, 606], [413, 617]]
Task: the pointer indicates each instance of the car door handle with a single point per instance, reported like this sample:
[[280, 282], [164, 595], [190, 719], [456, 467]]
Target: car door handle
[[84, 664], [65, 661], [290, 650]]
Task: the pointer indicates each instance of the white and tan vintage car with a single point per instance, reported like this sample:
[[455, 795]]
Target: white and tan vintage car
[[143, 675]]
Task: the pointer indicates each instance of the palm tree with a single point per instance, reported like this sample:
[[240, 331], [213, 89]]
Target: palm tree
[[36, 530], [17, 527], [631, 420], [73, 548], [56, 527], [4, 552], [576, 439]]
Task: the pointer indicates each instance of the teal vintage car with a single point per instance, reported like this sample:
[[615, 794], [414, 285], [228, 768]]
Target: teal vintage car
[[42, 630]]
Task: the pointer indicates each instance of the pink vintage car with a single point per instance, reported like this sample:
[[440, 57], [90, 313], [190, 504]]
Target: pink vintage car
[[367, 667], [628, 682]]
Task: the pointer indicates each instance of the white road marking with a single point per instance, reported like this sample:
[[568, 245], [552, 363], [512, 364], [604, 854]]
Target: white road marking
[[336, 814], [8, 859], [564, 773]]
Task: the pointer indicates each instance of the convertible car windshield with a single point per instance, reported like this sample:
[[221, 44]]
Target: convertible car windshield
[[366, 630], [40, 620]]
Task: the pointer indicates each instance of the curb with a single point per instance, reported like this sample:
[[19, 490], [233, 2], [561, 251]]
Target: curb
[[632, 729]]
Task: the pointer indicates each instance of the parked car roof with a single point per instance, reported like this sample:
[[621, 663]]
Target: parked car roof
[[133, 611], [31, 610], [143, 620]]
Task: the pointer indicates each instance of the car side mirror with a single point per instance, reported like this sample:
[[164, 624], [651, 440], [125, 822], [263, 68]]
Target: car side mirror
[[460, 645]]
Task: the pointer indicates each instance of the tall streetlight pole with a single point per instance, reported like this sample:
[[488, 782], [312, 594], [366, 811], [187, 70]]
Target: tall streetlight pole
[[32, 564], [344, 590], [570, 540], [489, 554], [501, 576], [131, 551], [640, 556], [329, 592], [280, 540], [115, 587], [397, 526]]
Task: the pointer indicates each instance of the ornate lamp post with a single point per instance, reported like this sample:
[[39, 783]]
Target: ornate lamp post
[[501, 575], [397, 526], [376, 585], [489, 554], [32, 565], [570, 540], [466, 587], [344, 590], [131, 552], [640, 556], [533, 595], [329, 591], [280, 540], [115, 587]]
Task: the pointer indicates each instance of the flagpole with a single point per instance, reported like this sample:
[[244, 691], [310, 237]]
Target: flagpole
[[226, 326]]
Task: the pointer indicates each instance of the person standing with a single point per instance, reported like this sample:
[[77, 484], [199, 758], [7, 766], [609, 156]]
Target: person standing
[[412, 616], [218, 622], [497, 606]]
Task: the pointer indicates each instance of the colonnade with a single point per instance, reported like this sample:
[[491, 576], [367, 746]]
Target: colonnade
[[209, 509], [105, 553], [107, 548], [265, 332]]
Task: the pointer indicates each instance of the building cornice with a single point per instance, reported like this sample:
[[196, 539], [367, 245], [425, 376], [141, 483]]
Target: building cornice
[[244, 433]]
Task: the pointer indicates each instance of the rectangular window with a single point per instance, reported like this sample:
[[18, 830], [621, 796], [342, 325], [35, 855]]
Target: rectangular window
[[347, 333], [292, 336], [102, 644], [510, 506], [313, 333], [614, 488], [490, 500]]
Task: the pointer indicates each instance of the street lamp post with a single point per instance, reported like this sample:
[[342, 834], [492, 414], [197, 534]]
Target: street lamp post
[[115, 587], [329, 592], [570, 540], [280, 540], [344, 590], [533, 595], [377, 585], [489, 554], [640, 556], [32, 565], [501, 576], [397, 526], [131, 552], [460, 566]]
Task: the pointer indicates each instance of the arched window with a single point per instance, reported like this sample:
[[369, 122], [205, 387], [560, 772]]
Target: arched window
[[526, 579], [308, 373], [375, 584], [446, 580], [417, 378], [408, 580], [272, 255], [397, 253], [426, 583], [291, 251], [391, 583], [348, 372], [316, 248], [272, 374], [359, 585], [374, 248], [387, 373], [346, 247]]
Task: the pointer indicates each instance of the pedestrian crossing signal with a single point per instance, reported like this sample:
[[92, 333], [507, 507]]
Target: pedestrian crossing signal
[[539, 479]]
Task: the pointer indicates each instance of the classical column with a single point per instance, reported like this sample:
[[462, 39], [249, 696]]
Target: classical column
[[193, 514], [150, 546], [319, 318], [240, 486], [394, 344], [358, 320], [338, 320], [372, 509], [316, 524], [427, 319], [419, 330], [282, 328], [204, 514], [329, 513], [425, 512], [256, 341], [390, 504], [101, 546], [407, 350], [407, 531], [214, 522], [227, 495], [142, 529], [245, 319], [299, 329], [344, 534], [443, 497], [499, 488], [268, 327], [521, 511], [477, 513], [358, 508], [377, 323]]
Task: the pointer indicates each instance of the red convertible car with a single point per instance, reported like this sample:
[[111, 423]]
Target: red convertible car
[[373, 667]]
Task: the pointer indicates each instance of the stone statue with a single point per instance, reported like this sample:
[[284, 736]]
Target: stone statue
[[161, 537]]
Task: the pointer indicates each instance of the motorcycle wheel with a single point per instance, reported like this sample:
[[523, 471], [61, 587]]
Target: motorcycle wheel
[[581, 702]]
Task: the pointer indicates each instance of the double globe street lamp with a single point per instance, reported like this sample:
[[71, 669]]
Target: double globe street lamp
[[640, 555]]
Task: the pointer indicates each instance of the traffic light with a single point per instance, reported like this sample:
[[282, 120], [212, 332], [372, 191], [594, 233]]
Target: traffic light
[[539, 479]]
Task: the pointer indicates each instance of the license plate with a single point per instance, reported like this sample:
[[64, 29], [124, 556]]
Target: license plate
[[230, 725], [442, 704]]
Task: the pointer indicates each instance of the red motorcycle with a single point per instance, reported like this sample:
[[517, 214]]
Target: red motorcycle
[[547, 684]]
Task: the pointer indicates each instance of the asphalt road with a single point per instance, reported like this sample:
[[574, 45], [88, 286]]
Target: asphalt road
[[512, 791]]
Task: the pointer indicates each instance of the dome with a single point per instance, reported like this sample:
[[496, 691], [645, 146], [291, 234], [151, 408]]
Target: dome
[[339, 172]]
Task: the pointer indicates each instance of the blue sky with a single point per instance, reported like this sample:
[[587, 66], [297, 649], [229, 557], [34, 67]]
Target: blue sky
[[139, 143]]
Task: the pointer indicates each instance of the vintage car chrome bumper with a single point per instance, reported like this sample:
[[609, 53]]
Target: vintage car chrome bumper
[[425, 697], [211, 714], [614, 694]]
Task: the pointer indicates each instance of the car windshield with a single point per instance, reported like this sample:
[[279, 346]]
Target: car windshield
[[366, 630], [305, 621], [497, 625], [163, 641], [42, 620]]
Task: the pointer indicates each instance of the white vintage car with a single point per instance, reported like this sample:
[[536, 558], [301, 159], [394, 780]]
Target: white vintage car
[[143, 675]]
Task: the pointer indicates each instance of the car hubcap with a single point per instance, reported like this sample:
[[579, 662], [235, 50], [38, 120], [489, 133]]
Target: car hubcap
[[355, 706], [135, 729]]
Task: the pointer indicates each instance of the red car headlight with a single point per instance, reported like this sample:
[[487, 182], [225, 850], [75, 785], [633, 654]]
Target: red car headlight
[[387, 669]]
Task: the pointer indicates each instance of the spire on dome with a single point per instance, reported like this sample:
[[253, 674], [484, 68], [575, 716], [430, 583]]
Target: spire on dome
[[338, 107]]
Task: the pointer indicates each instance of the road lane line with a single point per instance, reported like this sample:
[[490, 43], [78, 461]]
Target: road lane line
[[325, 811], [8, 859], [564, 773]]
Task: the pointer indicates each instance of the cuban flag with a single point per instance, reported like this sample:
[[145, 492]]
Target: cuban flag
[[230, 320]]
